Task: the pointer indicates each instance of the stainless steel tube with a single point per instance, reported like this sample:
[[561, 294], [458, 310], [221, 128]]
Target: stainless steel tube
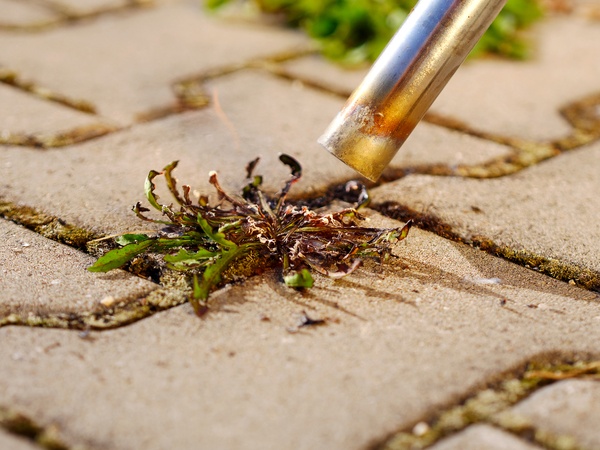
[[415, 66]]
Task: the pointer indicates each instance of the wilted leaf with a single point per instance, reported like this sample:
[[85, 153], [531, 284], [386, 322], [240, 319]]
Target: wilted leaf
[[172, 182], [251, 166], [292, 164]]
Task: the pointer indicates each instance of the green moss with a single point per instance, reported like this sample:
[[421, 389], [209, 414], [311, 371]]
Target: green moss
[[105, 317], [582, 115], [47, 437], [564, 271], [560, 270], [245, 267], [492, 405], [46, 225]]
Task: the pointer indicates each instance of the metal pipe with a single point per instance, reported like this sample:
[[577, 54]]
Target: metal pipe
[[415, 66]]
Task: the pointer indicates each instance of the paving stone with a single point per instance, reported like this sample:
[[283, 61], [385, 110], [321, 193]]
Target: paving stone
[[315, 68], [89, 6], [428, 145], [549, 209], [567, 408], [434, 145], [11, 442], [508, 98], [523, 98], [105, 177], [477, 437], [17, 13], [400, 341], [24, 113], [40, 276], [130, 60]]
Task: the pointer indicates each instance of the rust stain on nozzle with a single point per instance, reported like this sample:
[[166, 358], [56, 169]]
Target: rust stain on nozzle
[[413, 69]]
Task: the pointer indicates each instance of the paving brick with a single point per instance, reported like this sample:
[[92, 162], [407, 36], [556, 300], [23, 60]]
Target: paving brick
[[288, 106], [434, 145], [39, 276], [427, 145], [12, 442], [89, 6], [16, 13], [314, 68], [550, 209], [568, 408], [399, 341], [523, 98], [105, 177], [477, 437], [508, 98], [24, 113], [130, 60]]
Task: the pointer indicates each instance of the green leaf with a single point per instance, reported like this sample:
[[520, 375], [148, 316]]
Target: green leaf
[[149, 187], [184, 255], [169, 243], [301, 279], [212, 276], [198, 293], [184, 260], [219, 238], [127, 239], [118, 257]]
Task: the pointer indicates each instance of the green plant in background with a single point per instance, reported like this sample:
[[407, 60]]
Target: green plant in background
[[504, 37], [254, 230], [355, 31]]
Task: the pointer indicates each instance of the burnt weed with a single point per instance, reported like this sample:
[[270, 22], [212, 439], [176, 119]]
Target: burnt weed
[[205, 240]]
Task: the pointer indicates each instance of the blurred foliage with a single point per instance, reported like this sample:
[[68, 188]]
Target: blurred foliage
[[355, 31]]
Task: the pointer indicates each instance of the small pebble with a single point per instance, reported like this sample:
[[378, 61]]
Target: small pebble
[[420, 429], [108, 301]]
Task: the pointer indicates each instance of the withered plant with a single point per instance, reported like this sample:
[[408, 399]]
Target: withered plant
[[205, 240]]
